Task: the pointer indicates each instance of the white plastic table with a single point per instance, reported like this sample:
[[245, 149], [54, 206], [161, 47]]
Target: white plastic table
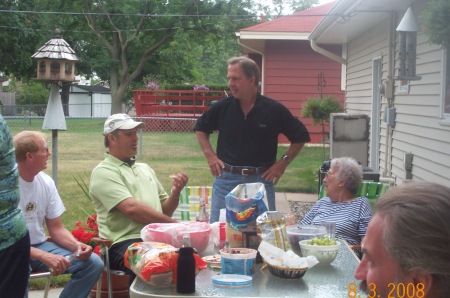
[[326, 281]]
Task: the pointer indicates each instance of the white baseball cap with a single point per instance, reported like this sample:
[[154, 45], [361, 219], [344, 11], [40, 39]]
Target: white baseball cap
[[120, 121]]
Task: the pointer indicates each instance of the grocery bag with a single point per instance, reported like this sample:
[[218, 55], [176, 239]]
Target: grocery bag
[[243, 205]]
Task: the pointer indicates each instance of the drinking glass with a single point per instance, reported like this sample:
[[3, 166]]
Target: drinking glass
[[331, 228]]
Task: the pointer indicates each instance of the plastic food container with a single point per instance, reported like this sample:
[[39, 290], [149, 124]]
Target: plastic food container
[[238, 261], [296, 233], [172, 233]]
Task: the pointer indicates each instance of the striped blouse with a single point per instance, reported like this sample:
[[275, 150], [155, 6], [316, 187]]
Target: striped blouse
[[351, 218]]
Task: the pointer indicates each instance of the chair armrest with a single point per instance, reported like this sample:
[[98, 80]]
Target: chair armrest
[[102, 241]]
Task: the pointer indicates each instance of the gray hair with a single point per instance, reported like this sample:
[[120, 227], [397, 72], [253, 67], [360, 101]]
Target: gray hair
[[417, 230], [249, 67], [349, 171]]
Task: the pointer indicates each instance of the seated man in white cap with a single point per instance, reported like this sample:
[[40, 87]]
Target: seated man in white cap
[[127, 194]]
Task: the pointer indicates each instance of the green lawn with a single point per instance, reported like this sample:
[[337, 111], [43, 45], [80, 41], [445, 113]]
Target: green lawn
[[81, 148]]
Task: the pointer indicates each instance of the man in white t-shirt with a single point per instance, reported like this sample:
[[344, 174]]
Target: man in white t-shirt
[[41, 203]]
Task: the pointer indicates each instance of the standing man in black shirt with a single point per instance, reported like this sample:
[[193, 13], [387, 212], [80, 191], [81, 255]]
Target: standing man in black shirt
[[248, 125]]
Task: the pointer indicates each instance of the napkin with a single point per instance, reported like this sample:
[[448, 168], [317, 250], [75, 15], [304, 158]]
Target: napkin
[[287, 259]]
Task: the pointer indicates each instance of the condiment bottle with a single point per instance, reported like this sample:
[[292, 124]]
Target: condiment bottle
[[202, 215], [186, 271]]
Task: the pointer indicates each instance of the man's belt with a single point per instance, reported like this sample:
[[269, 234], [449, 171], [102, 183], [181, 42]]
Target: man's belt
[[245, 171]]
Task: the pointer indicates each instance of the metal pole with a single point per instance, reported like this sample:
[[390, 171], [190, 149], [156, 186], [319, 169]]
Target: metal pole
[[55, 156]]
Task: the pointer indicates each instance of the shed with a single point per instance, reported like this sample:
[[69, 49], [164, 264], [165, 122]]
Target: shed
[[89, 101]]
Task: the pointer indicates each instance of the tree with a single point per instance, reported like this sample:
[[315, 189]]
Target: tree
[[436, 21], [18, 40], [131, 33], [31, 94], [319, 110], [276, 8]]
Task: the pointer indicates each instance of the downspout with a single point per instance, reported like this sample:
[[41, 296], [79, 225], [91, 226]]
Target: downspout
[[262, 63], [387, 173], [326, 53]]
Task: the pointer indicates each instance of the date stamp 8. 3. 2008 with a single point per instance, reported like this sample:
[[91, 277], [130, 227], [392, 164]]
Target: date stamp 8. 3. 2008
[[400, 290]]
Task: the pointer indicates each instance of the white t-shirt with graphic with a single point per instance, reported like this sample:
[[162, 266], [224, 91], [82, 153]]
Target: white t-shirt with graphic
[[39, 200]]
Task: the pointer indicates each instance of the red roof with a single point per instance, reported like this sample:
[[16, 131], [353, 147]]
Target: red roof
[[302, 21]]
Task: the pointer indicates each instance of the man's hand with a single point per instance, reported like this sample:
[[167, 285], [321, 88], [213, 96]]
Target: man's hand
[[274, 173], [178, 182], [215, 165], [57, 264], [83, 252]]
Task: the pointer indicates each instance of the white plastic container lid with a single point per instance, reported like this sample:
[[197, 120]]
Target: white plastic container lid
[[232, 280]]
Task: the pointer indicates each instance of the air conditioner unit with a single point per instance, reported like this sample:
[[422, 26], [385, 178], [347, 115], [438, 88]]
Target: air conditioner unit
[[349, 136]]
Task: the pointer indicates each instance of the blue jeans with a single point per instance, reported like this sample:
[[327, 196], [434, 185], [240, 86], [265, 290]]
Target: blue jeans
[[224, 184], [85, 273]]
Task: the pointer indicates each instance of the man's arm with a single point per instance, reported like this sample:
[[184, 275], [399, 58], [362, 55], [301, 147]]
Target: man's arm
[[141, 212], [61, 236], [214, 163], [145, 214], [275, 172]]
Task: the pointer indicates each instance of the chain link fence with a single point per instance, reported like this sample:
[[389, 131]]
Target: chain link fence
[[24, 117]]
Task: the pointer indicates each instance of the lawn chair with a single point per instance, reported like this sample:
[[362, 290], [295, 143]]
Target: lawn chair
[[43, 274], [47, 275], [189, 205], [369, 189], [116, 281]]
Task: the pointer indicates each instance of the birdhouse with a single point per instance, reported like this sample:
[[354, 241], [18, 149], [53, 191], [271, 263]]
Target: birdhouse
[[56, 60]]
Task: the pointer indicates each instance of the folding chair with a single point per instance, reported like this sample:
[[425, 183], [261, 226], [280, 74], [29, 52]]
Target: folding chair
[[43, 274], [47, 275], [113, 289], [369, 189], [189, 205]]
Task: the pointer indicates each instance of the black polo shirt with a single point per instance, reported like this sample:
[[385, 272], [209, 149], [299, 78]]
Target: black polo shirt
[[252, 140]]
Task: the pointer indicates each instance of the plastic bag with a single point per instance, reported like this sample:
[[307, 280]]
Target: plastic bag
[[244, 204], [172, 233], [156, 263], [271, 227]]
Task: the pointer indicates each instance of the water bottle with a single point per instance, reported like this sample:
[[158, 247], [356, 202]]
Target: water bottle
[[202, 215], [186, 271]]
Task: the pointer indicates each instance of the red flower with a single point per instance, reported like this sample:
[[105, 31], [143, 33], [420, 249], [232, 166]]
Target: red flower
[[85, 233]]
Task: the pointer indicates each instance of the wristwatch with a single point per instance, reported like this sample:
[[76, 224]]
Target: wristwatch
[[286, 158]]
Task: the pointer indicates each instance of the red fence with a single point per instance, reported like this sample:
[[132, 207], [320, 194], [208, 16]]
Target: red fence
[[174, 103]]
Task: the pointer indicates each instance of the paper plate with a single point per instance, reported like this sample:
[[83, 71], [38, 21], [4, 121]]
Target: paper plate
[[213, 261], [232, 280]]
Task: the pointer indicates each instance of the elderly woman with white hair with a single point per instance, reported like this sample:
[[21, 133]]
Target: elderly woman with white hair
[[341, 205]]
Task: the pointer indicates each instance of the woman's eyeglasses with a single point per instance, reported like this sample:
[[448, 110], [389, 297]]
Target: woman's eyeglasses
[[328, 174]]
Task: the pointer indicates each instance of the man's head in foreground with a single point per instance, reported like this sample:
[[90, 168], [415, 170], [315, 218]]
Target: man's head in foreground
[[407, 245]]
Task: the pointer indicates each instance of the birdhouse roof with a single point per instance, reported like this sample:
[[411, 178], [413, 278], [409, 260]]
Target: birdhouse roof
[[56, 48]]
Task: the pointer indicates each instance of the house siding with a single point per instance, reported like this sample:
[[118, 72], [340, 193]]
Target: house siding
[[417, 129], [291, 77]]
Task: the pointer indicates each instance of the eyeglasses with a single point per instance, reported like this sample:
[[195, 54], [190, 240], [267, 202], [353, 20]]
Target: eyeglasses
[[328, 174]]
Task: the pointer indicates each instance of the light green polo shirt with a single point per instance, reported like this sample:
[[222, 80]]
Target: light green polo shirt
[[113, 181]]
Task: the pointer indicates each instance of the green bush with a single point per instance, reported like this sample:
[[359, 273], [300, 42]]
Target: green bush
[[319, 109]]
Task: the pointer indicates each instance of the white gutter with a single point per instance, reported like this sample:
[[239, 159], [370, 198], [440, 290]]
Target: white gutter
[[327, 53], [262, 62]]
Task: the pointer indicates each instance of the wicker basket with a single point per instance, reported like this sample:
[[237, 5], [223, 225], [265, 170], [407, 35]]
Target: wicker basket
[[284, 272]]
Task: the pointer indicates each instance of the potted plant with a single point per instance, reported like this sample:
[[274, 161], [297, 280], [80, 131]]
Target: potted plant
[[319, 110]]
